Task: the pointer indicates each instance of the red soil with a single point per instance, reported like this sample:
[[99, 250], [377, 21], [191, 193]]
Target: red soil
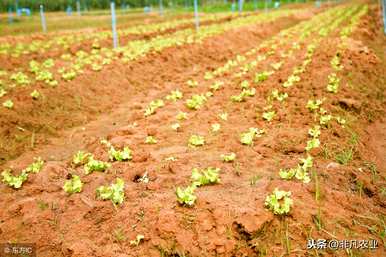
[[229, 219]]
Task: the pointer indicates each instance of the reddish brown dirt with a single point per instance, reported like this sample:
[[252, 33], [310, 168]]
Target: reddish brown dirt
[[79, 101], [228, 218]]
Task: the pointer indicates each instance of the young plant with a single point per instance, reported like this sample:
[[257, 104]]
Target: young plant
[[8, 104], [287, 174], [279, 202], [315, 131], [223, 116], [207, 176], [150, 140], [278, 95], [120, 155], [208, 75], [115, 192], [182, 116], [216, 85], [36, 166], [335, 63], [95, 165], [268, 116], [196, 102], [35, 94], [215, 127], [81, 158], [333, 83], [324, 120], [313, 105], [137, 240], [247, 138], [153, 106], [174, 95], [186, 196], [291, 80], [14, 181], [73, 185], [312, 143], [192, 83], [260, 77], [276, 66], [228, 157], [244, 84], [196, 140]]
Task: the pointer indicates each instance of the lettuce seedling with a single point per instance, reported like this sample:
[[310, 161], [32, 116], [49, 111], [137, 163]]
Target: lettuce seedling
[[35, 94], [8, 104], [196, 102], [241, 97], [216, 85], [247, 138], [313, 105], [69, 75], [216, 127], [115, 192], [287, 174], [120, 155], [312, 143], [333, 83], [223, 116], [244, 84], [306, 163], [186, 196], [95, 165], [276, 66], [192, 83], [182, 116], [335, 63], [153, 106], [208, 75], [20, 78], [208, 94], [174, 95], [291, 80], [279, 202], [204, 177], [137, 240], [299, 70], [81, 158], [73, 185], [260, 77], [228, 157], [268, 116], [315, 131], [176, 126], [36, 166], [14, 181], [324, 120], [196, 140], [150, 140], [278, 95], [341, 121], [2, 91]]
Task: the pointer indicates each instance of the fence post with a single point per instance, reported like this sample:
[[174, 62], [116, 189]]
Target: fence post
[[196, 14], [114, 24], [161, 8], [240, 6], [384, 15], [10, 15], [43, 19], [78, 7]]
